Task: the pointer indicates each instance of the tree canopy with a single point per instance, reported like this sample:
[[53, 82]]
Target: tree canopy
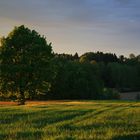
[[24, 62]]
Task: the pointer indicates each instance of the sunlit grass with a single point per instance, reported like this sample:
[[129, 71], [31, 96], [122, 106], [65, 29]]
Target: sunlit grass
[[87, 120]]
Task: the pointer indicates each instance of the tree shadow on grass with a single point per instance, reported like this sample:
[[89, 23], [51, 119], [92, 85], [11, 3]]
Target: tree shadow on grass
[[93, 113], [128, 137], [65, 138], [57, 116], [70, 127], [12, 118], [28, 135], [2, 136]]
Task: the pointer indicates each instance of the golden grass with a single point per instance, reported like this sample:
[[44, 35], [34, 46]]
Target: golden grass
[[70, 120]]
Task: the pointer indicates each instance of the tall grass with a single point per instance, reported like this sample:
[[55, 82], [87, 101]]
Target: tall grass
[[71, 121]]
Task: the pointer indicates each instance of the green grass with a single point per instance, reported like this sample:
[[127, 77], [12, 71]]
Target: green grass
[[91, 120]]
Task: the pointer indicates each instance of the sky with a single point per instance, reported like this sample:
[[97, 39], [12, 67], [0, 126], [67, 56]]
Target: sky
[[78, 25]]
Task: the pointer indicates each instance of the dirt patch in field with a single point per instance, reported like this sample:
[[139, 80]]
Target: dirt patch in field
[[7, 103]]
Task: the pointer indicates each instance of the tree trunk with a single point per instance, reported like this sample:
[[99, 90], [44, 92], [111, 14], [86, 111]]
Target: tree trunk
[[21, 100]]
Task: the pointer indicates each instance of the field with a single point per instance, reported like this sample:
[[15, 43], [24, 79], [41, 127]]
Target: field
[[70, 120]]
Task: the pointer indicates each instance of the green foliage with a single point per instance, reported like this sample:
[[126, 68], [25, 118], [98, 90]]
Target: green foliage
[[99, 57], [24, 59], [124, 77], [76, 80], [87, 120]]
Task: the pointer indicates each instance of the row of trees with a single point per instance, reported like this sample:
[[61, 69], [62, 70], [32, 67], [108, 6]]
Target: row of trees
[[86, 78], [29, 68]]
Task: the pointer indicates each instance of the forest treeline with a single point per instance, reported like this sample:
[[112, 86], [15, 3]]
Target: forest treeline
[[94, 75], [30, 69]]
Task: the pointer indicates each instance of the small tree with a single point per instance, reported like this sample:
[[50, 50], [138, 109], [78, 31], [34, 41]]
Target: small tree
[[24, 62]]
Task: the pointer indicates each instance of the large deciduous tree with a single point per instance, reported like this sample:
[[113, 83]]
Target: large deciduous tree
[[24, 62]]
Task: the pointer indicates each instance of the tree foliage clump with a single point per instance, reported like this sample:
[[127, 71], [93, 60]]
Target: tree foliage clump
[[76, 81], [24, 60]]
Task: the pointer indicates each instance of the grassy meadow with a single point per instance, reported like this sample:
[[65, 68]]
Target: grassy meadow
[[71, 120]]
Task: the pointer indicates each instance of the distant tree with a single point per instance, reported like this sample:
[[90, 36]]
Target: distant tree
[[99, 57], [132, 56], [24, 60], [83, 59], [63, 56], [121, 58], [138, 58], [76, 56], [132, 60]]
